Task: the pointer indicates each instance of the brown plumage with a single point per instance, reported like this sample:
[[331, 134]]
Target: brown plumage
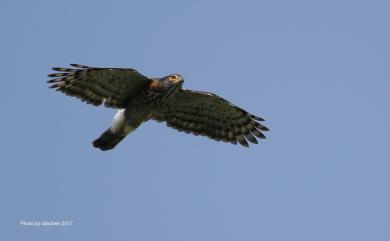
[[207, 114], [162, 99]]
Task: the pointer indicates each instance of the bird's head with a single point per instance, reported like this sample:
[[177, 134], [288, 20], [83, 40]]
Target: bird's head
[[164, 83], [171, 79]]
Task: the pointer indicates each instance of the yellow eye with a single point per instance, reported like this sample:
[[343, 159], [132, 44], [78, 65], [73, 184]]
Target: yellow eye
[[172, 77]]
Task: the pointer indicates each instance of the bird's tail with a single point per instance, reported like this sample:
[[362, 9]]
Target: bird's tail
[[107, 140]]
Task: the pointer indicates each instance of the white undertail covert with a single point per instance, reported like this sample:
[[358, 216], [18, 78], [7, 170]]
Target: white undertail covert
[[119, 124]]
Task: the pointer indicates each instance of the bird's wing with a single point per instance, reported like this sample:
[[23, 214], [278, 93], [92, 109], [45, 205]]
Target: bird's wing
[[203, 113], [111, 86]]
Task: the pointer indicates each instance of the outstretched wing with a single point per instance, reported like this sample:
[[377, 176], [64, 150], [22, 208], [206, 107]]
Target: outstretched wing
[[111, 86], [207, 114]]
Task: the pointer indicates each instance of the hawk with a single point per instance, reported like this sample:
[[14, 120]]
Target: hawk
[[140, 99]]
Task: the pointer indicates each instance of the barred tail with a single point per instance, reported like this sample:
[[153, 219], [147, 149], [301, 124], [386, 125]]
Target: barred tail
[[107, 140]]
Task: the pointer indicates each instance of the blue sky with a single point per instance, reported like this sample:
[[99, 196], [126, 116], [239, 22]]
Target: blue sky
[[317, 71]]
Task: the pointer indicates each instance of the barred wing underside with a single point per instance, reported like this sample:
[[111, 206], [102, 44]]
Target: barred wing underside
[[202, 113], [111, 86]]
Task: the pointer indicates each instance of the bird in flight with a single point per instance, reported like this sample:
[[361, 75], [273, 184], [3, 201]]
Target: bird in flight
[[140, 99]]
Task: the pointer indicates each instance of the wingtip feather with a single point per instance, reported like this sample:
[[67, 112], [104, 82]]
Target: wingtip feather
[[260, 126], [256, 118], [242, 141], [251, 138], [79, 66]]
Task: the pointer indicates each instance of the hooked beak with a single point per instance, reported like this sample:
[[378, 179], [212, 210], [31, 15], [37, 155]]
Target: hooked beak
[[179, 79]]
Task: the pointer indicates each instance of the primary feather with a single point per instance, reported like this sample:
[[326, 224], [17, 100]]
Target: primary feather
[[140, 98]]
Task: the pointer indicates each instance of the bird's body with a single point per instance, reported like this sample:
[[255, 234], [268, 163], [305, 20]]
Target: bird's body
[[140, 99]]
